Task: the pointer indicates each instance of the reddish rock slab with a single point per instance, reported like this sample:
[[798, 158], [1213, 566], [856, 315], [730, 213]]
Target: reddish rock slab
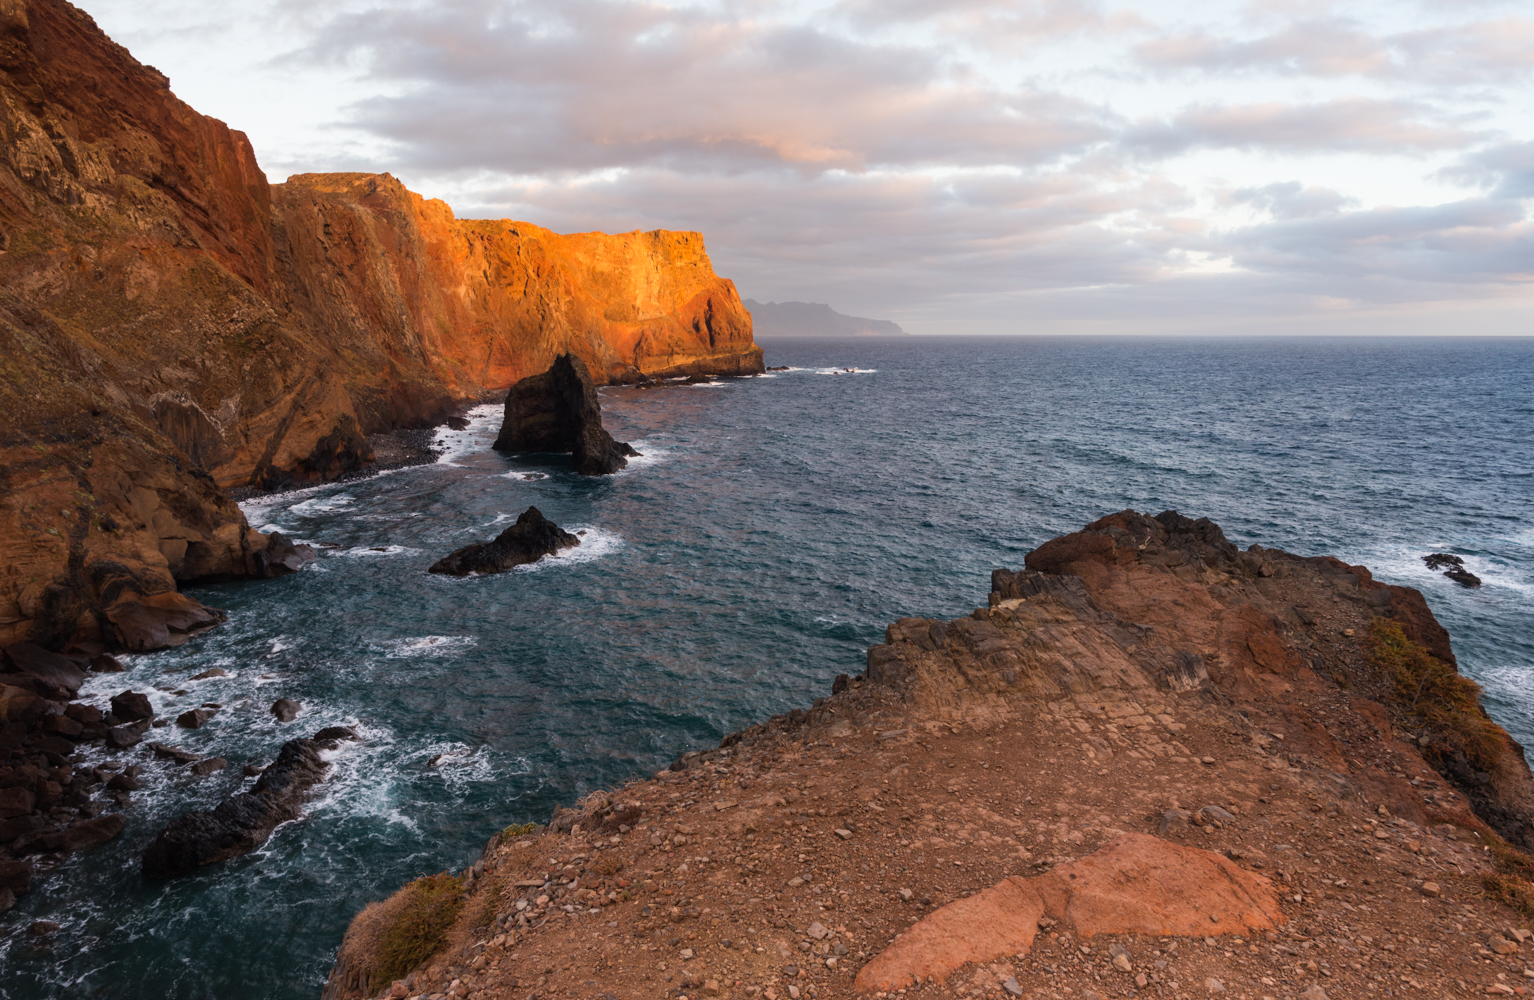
[[1138, 884], [1141, 884], [1002, 920]]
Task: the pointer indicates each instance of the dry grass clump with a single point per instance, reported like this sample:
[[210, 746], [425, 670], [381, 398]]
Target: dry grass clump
[[404, 930], [1437, 694], [608, 864]]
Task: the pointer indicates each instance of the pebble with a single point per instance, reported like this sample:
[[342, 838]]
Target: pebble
[[844, 834], [1314, 992], [1213, 985], [1121, 962], [1208, 760], [1010, 985], [1431, 889]]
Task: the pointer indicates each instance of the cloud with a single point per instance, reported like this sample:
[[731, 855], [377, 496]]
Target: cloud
[[1343, 124], [1477, 52], [1507, 169], [1292, 200], [588, 85]]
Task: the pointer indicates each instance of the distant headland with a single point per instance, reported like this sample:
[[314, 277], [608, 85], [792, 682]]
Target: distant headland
[[815, 319]]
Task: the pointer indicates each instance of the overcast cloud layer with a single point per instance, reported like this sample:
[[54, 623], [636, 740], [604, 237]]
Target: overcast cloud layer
[[964, 166]]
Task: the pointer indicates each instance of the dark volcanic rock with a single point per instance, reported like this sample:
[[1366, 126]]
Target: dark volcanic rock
[[286, 709], [558, 411], [241, 822], [77, 837], [130, 706], [530, 539], [47, 674], [1453, 567], [194, 718]]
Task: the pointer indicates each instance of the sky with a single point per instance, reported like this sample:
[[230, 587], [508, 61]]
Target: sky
[[959, 166]]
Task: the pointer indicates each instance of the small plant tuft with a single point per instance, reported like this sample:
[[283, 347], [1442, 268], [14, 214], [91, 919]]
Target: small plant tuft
[[517, 830]]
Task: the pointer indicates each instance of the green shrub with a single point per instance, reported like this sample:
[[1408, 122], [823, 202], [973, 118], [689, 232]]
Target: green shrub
[[517, 830]]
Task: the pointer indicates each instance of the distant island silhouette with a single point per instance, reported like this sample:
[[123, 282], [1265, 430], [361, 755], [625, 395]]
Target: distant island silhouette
[[814, 319]]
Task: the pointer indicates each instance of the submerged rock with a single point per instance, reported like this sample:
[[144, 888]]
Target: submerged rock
[[530, 539], [244, 820], [558, 411]]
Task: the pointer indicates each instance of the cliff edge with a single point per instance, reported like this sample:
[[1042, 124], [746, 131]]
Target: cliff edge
[[1152, 765], [171, 325]]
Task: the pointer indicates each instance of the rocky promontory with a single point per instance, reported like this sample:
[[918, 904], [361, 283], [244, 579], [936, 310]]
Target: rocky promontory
[[558, 411], [172, 326], [1151, 764]]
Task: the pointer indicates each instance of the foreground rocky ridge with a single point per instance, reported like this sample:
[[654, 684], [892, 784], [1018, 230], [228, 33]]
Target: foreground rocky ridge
[[172, 325], [1140, 683]]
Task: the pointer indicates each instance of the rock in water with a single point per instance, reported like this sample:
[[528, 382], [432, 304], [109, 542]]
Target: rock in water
[[558, 411], [530, 539], [244, 820], [1453, 567]]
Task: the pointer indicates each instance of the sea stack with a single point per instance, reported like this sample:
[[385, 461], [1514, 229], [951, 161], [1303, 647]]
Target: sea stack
[[530, 539], [558, 412]]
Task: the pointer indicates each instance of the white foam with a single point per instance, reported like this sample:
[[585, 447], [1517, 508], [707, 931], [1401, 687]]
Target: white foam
[[375, 551], [1405, 566], [526, 477], [428, 645], [595, 544], [708, 385], [323, 505], [649, 454], [452, 445], [844, 371]]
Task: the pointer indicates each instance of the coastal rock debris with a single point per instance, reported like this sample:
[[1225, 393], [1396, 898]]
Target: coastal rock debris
[[244, 820], [530, 539], [558, 411]]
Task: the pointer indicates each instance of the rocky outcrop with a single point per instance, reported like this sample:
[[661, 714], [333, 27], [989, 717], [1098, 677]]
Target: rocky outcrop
[[243, 821], [1152, 763], [172, 325], [1453, 567], [558, 411], [530, 539], [47, 804]]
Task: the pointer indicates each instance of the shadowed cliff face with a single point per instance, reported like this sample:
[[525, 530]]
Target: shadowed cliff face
[[171, 325]]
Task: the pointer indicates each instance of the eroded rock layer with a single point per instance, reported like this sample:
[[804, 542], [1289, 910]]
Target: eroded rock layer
[[1152, 765], [171, 325]]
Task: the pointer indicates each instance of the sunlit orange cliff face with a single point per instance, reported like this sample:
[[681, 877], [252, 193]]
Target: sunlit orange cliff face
[[172, 325]]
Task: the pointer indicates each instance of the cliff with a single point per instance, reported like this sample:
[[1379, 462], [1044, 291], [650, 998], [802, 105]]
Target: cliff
[[1153, 764], [172, 325]]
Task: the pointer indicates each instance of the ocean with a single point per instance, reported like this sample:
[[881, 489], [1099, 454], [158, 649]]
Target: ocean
[[772, 529]]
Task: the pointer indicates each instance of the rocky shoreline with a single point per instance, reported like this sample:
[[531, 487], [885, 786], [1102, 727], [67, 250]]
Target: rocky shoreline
[[1141, 705]]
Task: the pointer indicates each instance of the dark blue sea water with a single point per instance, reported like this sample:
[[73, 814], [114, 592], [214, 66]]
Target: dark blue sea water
[[773, 528]]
